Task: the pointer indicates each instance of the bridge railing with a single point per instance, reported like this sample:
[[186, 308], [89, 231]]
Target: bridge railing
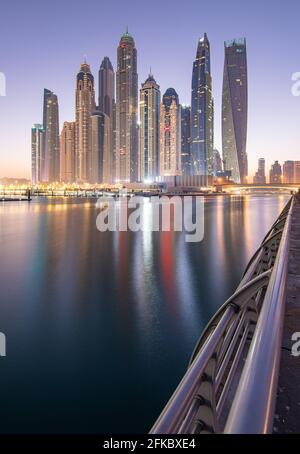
[[231, 383]]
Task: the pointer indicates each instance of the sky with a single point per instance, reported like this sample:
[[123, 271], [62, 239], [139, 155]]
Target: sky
[[42, 44]]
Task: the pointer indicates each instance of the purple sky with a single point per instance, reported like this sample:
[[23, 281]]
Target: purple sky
[[42, 44]]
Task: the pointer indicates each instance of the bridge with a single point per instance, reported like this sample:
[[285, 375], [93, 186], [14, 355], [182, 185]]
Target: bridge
[[245, 188], [242, 377]]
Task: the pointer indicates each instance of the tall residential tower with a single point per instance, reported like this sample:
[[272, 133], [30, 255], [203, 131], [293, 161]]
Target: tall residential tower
[[234, 110], [202, 111], [107, 107], [85, 105], [126, 111], [50, 152], [170, 134], [149, 129]]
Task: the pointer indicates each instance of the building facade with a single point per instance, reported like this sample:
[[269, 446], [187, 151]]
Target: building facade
[[186, 159], [85, 105], [276, 173], [260, 174], [170, 134], [202, 111], [67, 153], [126, 111], [37, 141], [149, 129], [50, 151], [107, 105], [288, 170], [101, 148], [234, 110]]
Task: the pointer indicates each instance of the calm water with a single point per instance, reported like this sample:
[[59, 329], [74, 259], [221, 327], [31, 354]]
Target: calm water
[[100, 326]]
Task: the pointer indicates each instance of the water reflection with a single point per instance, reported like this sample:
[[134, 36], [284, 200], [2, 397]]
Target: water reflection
[[100, 326]]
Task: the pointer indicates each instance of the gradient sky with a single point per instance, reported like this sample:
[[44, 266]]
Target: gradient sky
[[42, 44]]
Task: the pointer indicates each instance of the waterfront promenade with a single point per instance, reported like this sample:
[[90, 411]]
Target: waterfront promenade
[[287, 414]]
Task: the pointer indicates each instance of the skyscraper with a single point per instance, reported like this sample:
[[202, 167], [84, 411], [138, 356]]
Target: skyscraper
[[149, 129], [101, 148], [288, 171], [234, 110], [217, 162], [202, 111], [260, 175], [276, 173], [106, 87], [50, 153], [186, 161], [37, 141], [126, 110], [85, 105], [67, 153], [170, 134]]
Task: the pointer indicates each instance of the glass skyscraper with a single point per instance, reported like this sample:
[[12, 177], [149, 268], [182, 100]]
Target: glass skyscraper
[[186, 162], [126, 111], [107, 106], [234, 110], [50, 161], [149, 129], [37, 141], [202, 111]]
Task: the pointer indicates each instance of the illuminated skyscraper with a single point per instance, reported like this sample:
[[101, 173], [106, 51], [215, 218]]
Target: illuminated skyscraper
[[37, 141], [186, 161], [149, 129], [101, 148], [234, 110], [202, 111], [170, 134], [126, 110], [106, 87], [50, 153], [107, 105], [85, 105], [67, 153]]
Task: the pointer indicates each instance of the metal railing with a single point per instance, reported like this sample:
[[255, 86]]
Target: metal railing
[[231, 383]]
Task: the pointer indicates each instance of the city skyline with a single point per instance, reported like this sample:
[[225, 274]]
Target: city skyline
[[268, 83]]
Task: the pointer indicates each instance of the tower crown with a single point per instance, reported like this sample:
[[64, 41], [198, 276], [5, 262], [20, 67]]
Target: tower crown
[[127, 38]]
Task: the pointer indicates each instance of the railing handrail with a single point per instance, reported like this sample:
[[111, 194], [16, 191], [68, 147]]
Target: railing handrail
[[253, 407], [254, 399]]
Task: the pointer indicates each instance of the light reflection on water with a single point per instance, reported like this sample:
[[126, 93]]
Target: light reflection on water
[[100, 326]]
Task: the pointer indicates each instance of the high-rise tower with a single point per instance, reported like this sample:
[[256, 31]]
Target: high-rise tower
[[107, 106], [126, 111], [234, 110], [67, 153], [149, 130], [186, 162], [170, 134], [37, 142], [202, 111], [85, 105], [50, 152]]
